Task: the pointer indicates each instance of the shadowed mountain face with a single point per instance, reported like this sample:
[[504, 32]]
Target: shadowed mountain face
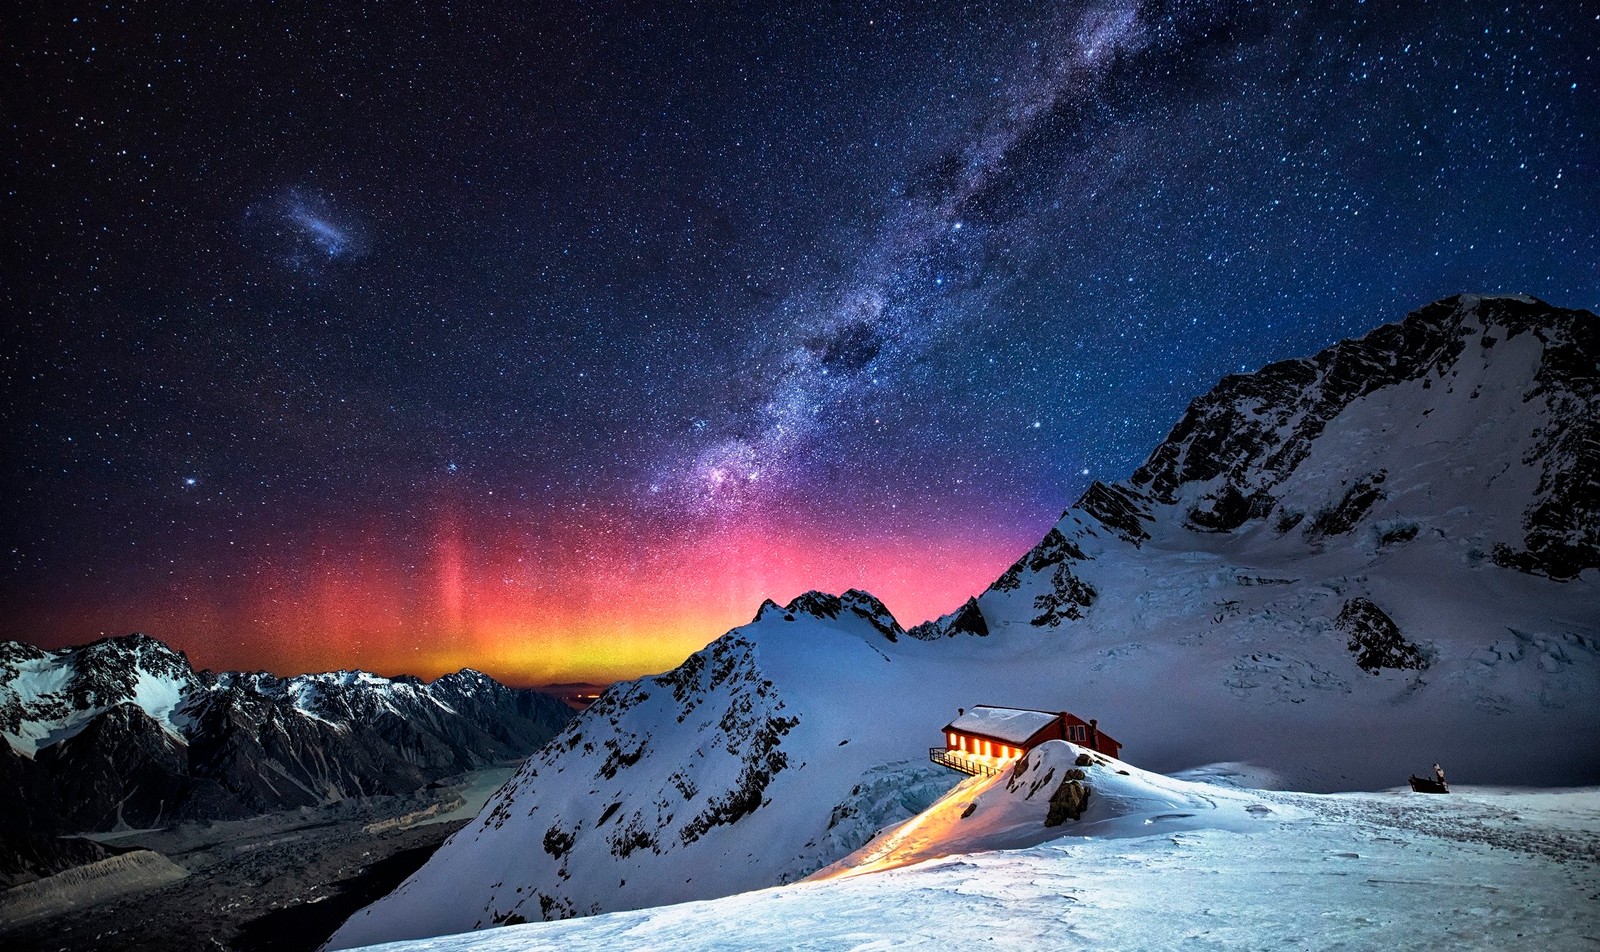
[[123, 733], [1337, 570]]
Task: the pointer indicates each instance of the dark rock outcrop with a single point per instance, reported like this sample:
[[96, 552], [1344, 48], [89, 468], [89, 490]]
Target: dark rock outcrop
[[1069, 801], [969, 620], [823, 605], [1375, 640], [1119, 508]]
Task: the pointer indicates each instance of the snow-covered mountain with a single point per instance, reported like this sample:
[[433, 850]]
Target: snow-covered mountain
[[1336, 570], [125, 733]]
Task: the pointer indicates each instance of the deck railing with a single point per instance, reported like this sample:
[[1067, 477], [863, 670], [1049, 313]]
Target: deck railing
[[955, 761]]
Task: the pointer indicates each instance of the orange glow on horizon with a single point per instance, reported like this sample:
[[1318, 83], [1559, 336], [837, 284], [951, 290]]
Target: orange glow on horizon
[[597, 599]]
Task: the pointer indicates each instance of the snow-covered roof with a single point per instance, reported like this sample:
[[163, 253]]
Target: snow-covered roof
[[1012, 725]]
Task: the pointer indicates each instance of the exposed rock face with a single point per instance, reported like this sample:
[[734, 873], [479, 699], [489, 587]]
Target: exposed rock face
[[966, 620], [969, 620], [1069, 801], [1119, 508], [1352, 506], [1252, 430], [825, 606], [1375, 639], [123, 732], [123, 767]]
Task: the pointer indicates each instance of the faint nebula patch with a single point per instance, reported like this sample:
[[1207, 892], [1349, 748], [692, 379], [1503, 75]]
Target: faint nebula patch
[[303, 231]]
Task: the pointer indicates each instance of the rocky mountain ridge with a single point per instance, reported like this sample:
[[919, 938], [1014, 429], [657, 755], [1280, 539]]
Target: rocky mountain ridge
[[1244, 462], [124, 733]]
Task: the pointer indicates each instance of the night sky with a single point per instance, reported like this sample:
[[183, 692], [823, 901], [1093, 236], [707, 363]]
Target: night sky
[[550, 339]]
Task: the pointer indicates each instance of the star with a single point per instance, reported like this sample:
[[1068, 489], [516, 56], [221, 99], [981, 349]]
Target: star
[[723, 317]]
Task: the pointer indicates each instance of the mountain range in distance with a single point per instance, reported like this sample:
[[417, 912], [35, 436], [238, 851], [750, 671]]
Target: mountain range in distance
[[124, 734]]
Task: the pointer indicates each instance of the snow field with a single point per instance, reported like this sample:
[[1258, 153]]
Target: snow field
[[1320, 875]]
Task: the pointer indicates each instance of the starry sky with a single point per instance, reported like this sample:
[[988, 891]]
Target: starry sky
[[551, 339]]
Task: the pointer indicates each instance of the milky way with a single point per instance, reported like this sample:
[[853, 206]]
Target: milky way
[[848, 340], [553, 344]]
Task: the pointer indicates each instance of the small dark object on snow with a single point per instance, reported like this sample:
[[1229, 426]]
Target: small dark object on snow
[[1435, 785]]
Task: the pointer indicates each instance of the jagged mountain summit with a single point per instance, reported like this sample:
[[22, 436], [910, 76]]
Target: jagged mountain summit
[[124, 733], [1336, 571]]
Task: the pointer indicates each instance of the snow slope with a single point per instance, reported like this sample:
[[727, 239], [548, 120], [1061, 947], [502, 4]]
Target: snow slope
[[1335, 572], [1480, 869]]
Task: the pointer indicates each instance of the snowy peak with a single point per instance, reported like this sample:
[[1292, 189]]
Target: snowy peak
[[1475, 421], [1516, 363], [682, 785], [826, 607], [652, 769], [124, 732], [48, 696]]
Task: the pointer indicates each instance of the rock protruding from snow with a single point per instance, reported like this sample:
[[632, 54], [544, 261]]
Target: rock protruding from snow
[[822, 605], [1375, 640]]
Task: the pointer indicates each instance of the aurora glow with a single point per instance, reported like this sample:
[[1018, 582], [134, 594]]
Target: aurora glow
[[551, 345]]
